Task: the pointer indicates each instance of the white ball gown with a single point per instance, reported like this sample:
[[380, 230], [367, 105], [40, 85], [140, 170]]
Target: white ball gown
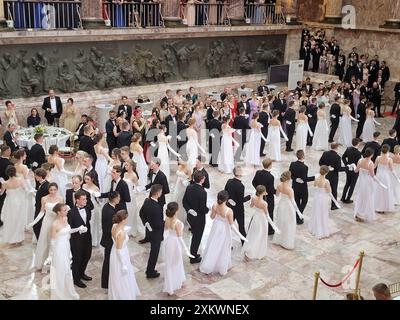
[[95, 221], [14, 215], [60, 178], [252, 156], [174, 270], [191, 148], [257, 236], [217, 254], [364, 200], [301, 135], [132, 209], [226, 161], [384, 198], [396, 184], [122, 286], [163, 155], [61, 282], [101, 168], [345, 133], [43, 244], [285, 220], [141, 168], [274, 143], [179, 192], [368, 129], [321, 136], [318, 224]]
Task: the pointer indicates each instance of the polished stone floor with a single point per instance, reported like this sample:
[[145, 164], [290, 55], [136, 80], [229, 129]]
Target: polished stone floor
[[283, 275]]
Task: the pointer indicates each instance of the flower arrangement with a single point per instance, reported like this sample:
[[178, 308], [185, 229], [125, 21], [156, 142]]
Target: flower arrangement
[[40, 129]]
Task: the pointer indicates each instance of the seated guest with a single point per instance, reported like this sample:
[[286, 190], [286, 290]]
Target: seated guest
[[81, 126], [9, 138], [34, 119]]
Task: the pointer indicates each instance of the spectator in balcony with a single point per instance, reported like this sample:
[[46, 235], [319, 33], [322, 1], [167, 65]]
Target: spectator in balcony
[[10, 114], [34, 119]]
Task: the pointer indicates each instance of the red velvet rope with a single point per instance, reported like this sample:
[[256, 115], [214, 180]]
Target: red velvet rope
[[344, 279]]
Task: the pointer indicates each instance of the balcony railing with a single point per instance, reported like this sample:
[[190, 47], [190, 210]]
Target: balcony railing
[[35, 14], [264, 14], [205, 14], [132, 15]]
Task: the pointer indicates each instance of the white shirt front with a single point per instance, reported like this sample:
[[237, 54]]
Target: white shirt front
[[115, 184], [53, 105], [82, 212]]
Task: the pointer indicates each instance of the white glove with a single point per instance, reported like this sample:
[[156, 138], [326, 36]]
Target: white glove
[[183, 244], [235, 230], [152, 144], [350, 166], [96, 194], [169, 137], [148, 226], [288, 122], [50, 256], [212, 135], [232, 203], [192, 212], [140, 189], [331, 169], [2, 180], [83, 229], [179, 137], [298, 180], [309, 115], [186, 183], [357, 116], [37, 219], [124, 267], [35, 164], [333, 116], [239, 132]]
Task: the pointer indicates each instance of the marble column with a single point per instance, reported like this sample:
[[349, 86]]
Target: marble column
[[236, 12], [291, 8], [92, 16], [333, 11], [3, 24], [394, 22]]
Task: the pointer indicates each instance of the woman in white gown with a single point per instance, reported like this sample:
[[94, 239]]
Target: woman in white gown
[[364, 200], [61, 282], [115, 161], [384, 197], [173, 241], [95, 221], [80, 168], [15, 208], [252, 155], [285, 213], [274, 137], [47, 204], [103, 158], [302, 130], [183, 177], [345, 131], [122, 282], [321, 133], [138, 156], [369, 126], [225, 157], [131, 178], [396, 169], [163, 154], [58, 173], [318, 224], [192, 145]]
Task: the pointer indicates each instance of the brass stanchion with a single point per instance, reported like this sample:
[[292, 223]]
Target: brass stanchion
[[357, 289], [316, 275]]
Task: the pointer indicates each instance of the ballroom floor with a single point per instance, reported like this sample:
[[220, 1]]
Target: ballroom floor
[[283, 275]]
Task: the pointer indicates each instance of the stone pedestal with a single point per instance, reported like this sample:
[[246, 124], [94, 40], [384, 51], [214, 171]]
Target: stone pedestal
[[333, 12], [236, 13], [92, 17], [3, 24]]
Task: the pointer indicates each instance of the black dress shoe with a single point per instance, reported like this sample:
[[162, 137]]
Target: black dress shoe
[[300, 221], [152, 275], [334, 208], [289, 150], [270, 233], [86, 277], [195, 260], [144, 241], [80, 284], [262, 155], [1, 223], [348, 201]]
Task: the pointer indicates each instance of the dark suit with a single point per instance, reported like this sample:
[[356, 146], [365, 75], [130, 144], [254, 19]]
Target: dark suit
[[281, 105], [374, 146], [391, 142], [263, 118], [206, 183], [299, 170], [111, 139], [51, 116], [214, 127], [81, 244], [42, 191], [266, 179], [305, 54], [242, 124], [36, 154], [80, 130], [396, 125], [107, 214], [161, 179], [70, 200], [351, 155], [195, 198], [86, 144], [261, 90], [361, 119], [311, 112], [179, 128], [396, 97], [4, 163], [10, 142], [123, 190], [124, 139], [152, 212], [235, 189], [290, 116], [335, 117], [128, 111]]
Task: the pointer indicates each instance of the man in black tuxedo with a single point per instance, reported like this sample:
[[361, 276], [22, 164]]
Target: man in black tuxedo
[[111, 138], [9, 139], [4, 163], [290, 120], [36, 154], [214, 138], [53, 108], [335, 117], [241, 125], [244, 103], [376, 98], [235, 189], [86, 144], [263, 118], [81, 243], [396, 126], [158, 177], [124, 138], [88, 164], [266, 179], [262, 89], [199, 167], [195, 203], [300, 178], [316, 54], [374, 145], [350, 156], [305, 54], [77, 182], [396, 97], [307, 86], [181, 131], [281, 105], [361, 115], [171, 124], [80, 130], [118, 184], [125, 110], [332, 159], [311, 112], [106, 241], [42, 191], [391, 141], [335, 49]]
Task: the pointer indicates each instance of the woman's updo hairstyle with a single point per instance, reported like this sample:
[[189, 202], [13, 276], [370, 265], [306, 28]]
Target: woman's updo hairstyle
[[222, 197], [171, 210], [120, 216]]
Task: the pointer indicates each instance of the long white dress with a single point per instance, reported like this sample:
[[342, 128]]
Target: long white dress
[[60, 178], [43, 244], [364, 201], [95, 221], [274, 143], [226, 161], [101, 168], [14, 215], [345, 133], [368, 130], [321, 136], [174, 270], [301, 135], [132, 209], [252, 155], [122, 286], [396, 184], [163, 155], [285, 220], [257, 236], [217, 254], [108, 178], [61, 282], [179, 192], [384, 198], [318, 224], [141, 168], [191, 149]]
